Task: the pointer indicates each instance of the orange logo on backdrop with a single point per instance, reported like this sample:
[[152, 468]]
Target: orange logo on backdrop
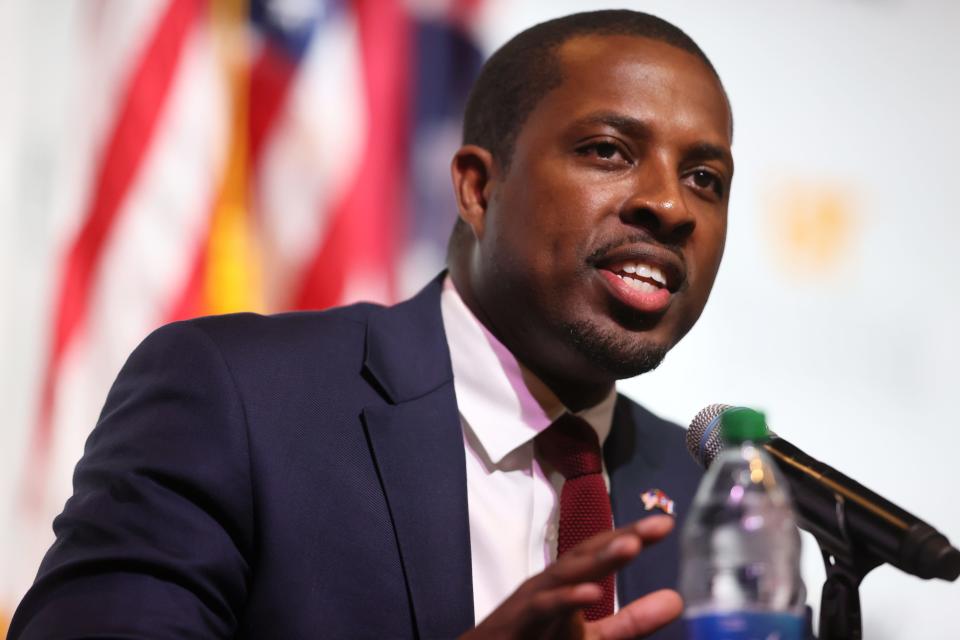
[[811, 225]]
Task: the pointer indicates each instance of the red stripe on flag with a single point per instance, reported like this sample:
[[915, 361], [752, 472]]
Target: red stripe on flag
[[270, 78], [366, 224], [123, 154]]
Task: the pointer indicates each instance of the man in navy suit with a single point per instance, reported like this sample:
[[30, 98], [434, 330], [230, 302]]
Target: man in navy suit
[[371, 472]]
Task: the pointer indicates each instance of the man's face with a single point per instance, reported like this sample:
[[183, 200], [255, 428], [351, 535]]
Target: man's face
[[601, 242]]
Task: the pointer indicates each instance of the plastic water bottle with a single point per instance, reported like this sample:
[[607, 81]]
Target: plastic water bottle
[[740, 574]]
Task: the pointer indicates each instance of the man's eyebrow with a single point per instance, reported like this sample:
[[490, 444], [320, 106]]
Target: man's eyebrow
[[707, 151], [625, 124]]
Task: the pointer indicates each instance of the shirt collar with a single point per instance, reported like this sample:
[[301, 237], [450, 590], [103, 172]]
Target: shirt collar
[[502, 402]]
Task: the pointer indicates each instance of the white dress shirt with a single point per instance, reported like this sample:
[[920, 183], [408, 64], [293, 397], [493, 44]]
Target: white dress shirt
[[513, 498]]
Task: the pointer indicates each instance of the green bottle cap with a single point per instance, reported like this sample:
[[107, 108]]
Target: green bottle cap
[[741, 424]]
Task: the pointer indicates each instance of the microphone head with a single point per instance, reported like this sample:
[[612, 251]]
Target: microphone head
[[705, 437]]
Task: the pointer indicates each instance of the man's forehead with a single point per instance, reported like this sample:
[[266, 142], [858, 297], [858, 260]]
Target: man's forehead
[[584, 42], [599, 65], [595, 53]]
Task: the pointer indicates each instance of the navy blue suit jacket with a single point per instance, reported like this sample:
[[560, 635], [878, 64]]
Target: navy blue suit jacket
[[297, 476]]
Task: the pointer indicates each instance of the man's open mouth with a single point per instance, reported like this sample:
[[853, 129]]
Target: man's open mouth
[[643, 266], [643, 277]]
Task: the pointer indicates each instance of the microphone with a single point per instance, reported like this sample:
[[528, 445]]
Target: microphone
[[842, 514]]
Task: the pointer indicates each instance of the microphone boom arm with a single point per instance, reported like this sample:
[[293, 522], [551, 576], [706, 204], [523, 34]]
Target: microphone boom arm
[[879, 530]]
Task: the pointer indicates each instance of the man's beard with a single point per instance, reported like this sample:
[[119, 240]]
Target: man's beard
[[623, 358]]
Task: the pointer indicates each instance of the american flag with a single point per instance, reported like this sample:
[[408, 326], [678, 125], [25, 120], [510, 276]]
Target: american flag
[[262, 155]]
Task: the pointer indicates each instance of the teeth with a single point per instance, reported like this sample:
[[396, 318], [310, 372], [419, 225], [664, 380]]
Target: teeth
[[640, 285], [657, 275], [645, 271]]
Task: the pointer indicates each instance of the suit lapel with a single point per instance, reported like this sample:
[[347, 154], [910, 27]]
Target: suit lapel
[[417, 444], [637, 462]]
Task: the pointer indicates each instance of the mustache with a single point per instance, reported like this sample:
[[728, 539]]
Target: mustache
[[638, 237]]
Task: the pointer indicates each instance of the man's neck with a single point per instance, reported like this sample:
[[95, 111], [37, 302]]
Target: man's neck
[[574, 395]]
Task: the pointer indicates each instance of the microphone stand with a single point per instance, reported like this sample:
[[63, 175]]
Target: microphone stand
[[846, 568], [846, 562]]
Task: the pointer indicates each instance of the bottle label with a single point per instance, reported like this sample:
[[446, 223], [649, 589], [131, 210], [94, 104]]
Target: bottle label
[[745, 625]]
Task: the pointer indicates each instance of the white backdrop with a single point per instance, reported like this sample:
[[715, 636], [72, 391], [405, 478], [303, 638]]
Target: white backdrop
[[836, 307]]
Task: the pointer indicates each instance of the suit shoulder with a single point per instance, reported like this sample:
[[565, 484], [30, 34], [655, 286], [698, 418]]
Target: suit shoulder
[[291, 328], [266, 344], [294, 322]]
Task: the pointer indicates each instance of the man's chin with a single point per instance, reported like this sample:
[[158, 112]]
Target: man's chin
[[618, 355]]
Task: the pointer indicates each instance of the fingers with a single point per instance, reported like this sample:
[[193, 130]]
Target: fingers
[[641, 617], [654, 528], [569, 583], [546, 605], [542, 614], [603, 554], [647, 530]]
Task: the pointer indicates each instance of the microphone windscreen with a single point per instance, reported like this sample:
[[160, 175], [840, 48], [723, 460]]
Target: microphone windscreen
[[704, 437]]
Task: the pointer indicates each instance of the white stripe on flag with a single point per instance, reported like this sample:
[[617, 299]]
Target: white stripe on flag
[[144, 266], [313, 153]]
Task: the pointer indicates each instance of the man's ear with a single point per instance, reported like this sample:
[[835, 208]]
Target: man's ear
[[474, 173]]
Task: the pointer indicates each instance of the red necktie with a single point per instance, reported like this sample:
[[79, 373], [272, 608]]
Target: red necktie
[[571, 445]]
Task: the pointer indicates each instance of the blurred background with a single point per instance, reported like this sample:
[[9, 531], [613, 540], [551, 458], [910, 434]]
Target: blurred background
[[167, 158]]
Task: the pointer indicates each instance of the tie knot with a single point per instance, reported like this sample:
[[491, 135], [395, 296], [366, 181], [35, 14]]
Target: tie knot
[[571, 445]]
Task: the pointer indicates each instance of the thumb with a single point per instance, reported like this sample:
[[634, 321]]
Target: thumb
[[639, 618]]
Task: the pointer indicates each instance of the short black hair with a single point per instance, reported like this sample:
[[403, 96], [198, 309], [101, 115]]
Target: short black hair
[[521, 72]]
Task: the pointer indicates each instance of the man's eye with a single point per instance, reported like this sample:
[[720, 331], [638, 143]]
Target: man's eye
[[604, 151], [706, 180]]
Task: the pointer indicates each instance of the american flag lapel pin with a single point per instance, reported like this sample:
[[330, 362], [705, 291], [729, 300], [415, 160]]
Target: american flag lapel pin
[[657, 499]]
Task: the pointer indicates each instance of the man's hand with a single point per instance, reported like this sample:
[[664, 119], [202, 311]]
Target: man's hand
[[548, 604]]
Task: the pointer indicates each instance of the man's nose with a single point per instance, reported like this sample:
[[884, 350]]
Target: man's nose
[[657, 204]]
